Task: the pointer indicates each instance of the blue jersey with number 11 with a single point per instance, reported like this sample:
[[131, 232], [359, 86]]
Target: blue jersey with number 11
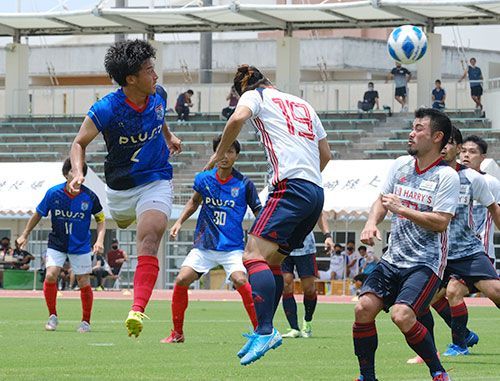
[[70, 216], [224, 204]]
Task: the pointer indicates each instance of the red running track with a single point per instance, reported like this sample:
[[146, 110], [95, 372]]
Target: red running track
[[200, 295]]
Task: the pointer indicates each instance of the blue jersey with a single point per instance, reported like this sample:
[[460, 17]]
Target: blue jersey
[[475, 76], [70, 216], [223, 208], [438, 94], [137, 150]]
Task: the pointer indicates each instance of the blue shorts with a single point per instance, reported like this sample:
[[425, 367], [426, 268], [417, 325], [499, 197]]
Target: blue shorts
[[414, 286], [469, 270], [291, 212], [305, 264]]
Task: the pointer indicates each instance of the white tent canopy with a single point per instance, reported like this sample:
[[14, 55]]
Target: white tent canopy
[[23, 185], [237, 16]]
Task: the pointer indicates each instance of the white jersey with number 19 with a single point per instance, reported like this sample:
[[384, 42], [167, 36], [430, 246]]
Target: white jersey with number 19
[[290, 130]]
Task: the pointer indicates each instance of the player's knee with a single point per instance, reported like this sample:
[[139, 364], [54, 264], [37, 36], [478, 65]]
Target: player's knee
[[490, 289], [51, 277], [182, 280], [239, 280], [149, 244], [364, 310], [83, 280], [310, 291], [403, 316], [455, 290]]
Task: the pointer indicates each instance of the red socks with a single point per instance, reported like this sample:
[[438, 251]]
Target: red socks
[[87, 298], [246, 295], [50, 293], [145, 277], [179, 306]]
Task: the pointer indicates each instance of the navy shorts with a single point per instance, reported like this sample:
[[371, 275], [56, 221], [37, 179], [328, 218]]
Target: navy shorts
[[470, 270], [414, 286], [291, 212], [305, 264], [400, 91], [476, 91]]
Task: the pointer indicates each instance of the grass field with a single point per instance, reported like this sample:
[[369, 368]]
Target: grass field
[[213, 333]]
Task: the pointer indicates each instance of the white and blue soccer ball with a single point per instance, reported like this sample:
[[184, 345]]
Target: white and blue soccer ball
[[407, 44]]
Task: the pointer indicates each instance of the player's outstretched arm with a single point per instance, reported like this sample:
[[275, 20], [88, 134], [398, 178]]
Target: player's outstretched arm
[[494, 209], [101, 232], [325, 155], [23, 238], [230, 133], [88, 131], [325, 229], [376, 216], [189, 209]]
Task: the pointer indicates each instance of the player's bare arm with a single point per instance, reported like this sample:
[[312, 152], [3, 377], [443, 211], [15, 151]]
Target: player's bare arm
[[377, 214], [189, 209], [494, 209], [101, 231], [325, 229], [23, 238], [325, 155], [173, 142], [230, 133], [434, 221], [87, 133]]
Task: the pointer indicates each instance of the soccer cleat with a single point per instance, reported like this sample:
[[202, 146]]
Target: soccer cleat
[[472, 339], [52, 323], [244, 349], [361, 378], [441, 376], [292, 334], [99, 288], [260, 345], [84, 327], [134, 323], [454, 350], [306, 329], [173, 338], [418, 360]]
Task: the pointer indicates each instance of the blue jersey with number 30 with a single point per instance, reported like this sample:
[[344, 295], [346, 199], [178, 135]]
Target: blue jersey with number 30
[[137, 151], [70, 216], [223, 208]]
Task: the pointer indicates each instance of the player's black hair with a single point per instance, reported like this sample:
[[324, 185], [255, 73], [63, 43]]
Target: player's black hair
[[370, 83], [190, 92], [481, 143], [338, 245], [236, 144], [5, 238], [439, 122], [67, 167], [456, 136], [362, 247], [125, 58], [350, 241], [248, 78], [437, 81]]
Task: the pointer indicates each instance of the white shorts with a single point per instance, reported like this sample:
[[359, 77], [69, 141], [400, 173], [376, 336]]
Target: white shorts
[[81, 264], [202, 261], [126, 205]]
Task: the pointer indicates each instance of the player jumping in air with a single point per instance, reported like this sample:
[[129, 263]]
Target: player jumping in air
[[138, 174]]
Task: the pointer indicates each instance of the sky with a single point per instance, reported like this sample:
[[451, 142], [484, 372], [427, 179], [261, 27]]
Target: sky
[[478, 37]]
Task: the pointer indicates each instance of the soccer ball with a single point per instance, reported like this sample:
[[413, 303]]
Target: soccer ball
[[407, 44]]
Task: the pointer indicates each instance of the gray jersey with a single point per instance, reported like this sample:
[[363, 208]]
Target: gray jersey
[[434, 189], [483, 219], [309, 247], [464, 240]]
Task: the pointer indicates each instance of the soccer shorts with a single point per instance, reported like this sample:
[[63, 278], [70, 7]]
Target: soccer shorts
[[400, 91], [126, 205], [305, 265], [476, 91], [202, 261], [80, 263], [291, 212], [470, 270], [414, 286]]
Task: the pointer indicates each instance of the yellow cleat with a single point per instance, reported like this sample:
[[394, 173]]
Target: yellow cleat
[[134, 323]]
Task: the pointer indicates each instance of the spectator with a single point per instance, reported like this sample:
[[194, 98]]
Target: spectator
[[5, 249], [353, 257], [338, 262], [100, 270], [116, 257], [438, 96], [233, 98], [401, 77], [370, 99], [182, 105], [22, 258], [65, 276], [476, 86], [367, 262]]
